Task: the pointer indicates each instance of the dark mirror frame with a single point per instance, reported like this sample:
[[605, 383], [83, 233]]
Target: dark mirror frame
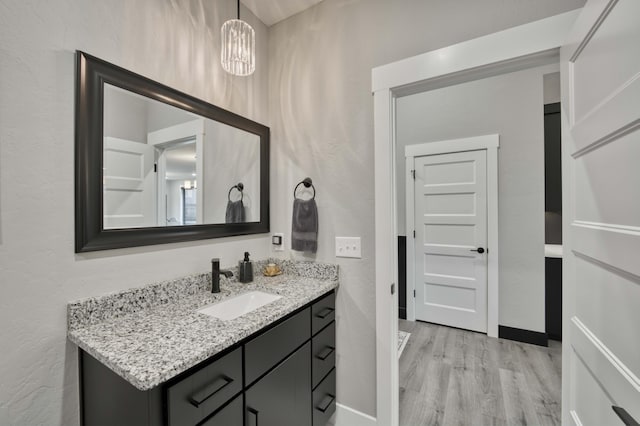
[[91, 75]]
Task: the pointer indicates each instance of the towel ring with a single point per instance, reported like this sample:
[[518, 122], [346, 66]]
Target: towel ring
[[240, 188], [307, 182]]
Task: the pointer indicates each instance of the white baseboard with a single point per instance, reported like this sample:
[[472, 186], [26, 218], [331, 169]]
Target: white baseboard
[[346, 416]]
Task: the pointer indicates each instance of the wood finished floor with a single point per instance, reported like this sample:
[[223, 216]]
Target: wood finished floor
[[456, 377]]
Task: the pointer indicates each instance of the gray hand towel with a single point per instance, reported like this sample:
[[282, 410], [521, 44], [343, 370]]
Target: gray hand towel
[[235, 212], [304, 232]]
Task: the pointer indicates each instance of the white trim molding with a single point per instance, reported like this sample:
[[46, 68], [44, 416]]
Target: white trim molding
[[347, 416], [527, 45], [454, 145], [489, 143], [529, 39]]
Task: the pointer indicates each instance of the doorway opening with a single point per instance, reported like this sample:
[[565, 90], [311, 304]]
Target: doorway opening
[[452, 253], [449, 292], [476, 59]]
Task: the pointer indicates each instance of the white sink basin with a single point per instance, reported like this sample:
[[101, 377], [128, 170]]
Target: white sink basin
[[239, 305]]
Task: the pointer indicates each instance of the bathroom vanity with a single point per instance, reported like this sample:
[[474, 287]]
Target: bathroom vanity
[[147, 356]]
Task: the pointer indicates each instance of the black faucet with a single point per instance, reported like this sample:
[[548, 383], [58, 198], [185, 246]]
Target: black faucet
[[215, 275]]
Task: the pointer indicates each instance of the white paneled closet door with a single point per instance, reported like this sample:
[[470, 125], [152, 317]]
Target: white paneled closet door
[[451, 239], [601, 168], [129, 184]]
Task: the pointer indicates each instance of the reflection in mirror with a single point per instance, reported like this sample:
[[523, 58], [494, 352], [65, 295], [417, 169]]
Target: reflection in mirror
[[163, 166], [179, 195]]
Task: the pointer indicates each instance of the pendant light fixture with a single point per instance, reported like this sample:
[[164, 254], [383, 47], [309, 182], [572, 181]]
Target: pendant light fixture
[[238, 53]]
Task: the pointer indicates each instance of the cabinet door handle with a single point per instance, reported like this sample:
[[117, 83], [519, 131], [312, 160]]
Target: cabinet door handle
[[255, 415], [326, 403], [324, 313], [208, 391], [625, 416], [325, 353]]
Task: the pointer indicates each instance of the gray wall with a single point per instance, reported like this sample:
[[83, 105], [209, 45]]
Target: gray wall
[[552, 88], [161, 116], [230, 156], [131, 116], [174, 42], [125, 115], [510, 105], [322, 126]]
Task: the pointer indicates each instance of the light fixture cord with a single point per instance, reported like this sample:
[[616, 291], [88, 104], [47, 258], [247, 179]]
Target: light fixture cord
[[238, 10]]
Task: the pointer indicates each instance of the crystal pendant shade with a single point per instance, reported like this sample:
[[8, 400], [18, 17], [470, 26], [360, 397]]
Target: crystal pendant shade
[[238, 48]]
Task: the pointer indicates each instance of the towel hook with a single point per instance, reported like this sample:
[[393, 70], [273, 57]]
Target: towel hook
[[240, 188], [307, 182]]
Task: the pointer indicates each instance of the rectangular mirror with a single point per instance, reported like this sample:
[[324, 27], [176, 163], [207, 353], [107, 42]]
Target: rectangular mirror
[[154, 165]]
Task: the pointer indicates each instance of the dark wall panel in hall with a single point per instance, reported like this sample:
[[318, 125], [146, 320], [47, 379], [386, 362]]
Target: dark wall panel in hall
[[402, 276], [552, 174]]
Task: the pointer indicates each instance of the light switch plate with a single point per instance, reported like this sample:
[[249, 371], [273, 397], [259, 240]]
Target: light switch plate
[[348, 247], [277, 247]]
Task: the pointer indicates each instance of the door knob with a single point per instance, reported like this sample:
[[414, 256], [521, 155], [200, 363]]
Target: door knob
[[479, 250]]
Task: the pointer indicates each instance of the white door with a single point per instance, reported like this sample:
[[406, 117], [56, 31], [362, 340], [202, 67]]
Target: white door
[[450, 239], [601, 157], [129, 184]]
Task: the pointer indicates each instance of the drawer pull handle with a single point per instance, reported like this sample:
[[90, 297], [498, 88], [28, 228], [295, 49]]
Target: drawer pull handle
[[324, 313], [625, 416], [325, 353], [211, 389], [326, 403], [255, 415]]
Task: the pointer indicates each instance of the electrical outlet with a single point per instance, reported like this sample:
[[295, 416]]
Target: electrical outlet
[[348, 247], [275, 238]]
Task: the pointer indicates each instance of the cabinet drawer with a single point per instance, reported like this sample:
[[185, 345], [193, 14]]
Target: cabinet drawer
[[324, 353], [282, 397], [323, 312], [195, 397], [231, 415], [271, 347], [324, 400]]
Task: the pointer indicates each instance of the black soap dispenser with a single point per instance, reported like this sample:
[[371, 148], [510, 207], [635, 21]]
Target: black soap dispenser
[[245, 269]]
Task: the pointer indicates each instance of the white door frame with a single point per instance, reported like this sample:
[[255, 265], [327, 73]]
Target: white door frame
[[170, 135], [489, 143], [509, 50]]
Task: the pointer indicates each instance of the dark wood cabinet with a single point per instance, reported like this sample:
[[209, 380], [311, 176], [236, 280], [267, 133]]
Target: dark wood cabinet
[[324, 400], [281, 375], [108, 399], [324, 353], [274, 345], [323, 361], [323, 312], [227, 416], [283, 396], [200, 394]]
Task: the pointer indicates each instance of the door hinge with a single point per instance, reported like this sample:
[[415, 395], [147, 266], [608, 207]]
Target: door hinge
[[393, 288], [413, 174], [414, 233], [414, 293], [155, 167]]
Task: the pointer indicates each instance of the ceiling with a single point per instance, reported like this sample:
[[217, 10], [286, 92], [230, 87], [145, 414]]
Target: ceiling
[[272, 11]]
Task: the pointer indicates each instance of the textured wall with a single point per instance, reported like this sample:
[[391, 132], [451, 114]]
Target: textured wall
[[230, 156], [511, 106], [174, 42], [322, 126]]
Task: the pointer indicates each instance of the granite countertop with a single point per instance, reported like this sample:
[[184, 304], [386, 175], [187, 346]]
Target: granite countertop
[[150, 334]]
